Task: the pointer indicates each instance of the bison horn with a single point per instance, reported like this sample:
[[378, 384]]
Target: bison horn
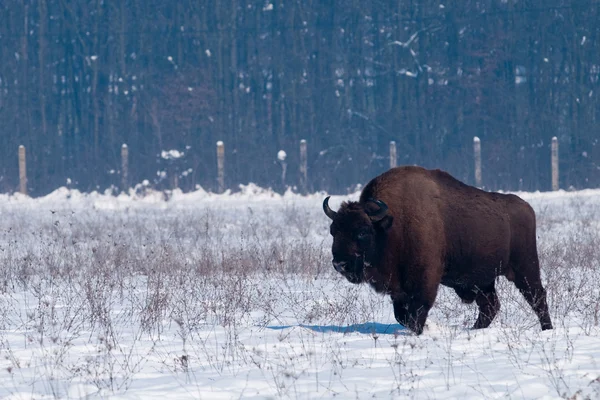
[[378, 214], [328, 211]]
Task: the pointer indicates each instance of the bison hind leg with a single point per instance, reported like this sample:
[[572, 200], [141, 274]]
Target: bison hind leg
[[489, 305], [535, 294]]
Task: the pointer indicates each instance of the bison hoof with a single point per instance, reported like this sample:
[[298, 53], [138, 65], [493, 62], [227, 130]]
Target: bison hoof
[[417, 330], [547, 326]]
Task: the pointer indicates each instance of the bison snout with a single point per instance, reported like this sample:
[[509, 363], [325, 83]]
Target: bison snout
[[340, 266]]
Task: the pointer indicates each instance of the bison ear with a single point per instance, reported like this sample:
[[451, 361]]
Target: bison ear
[[385, 223]]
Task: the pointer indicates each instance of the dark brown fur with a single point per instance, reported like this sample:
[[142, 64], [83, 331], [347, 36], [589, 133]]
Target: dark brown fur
[[438, 230]]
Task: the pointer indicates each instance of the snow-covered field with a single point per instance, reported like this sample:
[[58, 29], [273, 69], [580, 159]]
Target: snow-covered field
[[233, 296]]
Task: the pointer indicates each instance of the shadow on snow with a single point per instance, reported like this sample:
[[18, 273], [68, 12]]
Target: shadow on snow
[[367, 328]]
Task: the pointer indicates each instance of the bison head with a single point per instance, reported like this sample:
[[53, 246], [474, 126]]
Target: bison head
[[357, 228]]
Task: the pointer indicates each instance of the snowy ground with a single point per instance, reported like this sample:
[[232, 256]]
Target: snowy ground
[[232, 296]]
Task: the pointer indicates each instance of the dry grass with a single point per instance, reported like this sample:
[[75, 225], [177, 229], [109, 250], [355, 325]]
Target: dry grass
[[85, 275]]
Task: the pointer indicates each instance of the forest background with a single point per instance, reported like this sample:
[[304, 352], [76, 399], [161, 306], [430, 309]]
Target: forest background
[[80, 78]]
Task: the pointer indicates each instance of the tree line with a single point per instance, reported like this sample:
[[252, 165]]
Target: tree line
[[79, 79]]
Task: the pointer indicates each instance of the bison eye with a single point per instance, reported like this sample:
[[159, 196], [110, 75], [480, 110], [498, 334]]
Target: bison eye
[[362, 235]]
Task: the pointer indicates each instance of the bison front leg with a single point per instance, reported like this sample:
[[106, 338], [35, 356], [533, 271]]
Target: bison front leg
[[411, 313]]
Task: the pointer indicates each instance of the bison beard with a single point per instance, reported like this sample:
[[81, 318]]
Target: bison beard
[[414, 229]]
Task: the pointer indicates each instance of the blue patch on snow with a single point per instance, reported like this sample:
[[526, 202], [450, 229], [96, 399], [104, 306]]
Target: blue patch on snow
[[366, 328]]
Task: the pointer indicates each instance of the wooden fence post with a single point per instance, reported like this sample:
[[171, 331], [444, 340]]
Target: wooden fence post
[[124, 167], [477, 155], [22, 171], [281, 156], [393, 157], [303, 167], [221, 166], [554, 157]]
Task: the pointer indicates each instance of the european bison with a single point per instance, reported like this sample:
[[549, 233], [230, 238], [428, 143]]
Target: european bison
[[414, 228]]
